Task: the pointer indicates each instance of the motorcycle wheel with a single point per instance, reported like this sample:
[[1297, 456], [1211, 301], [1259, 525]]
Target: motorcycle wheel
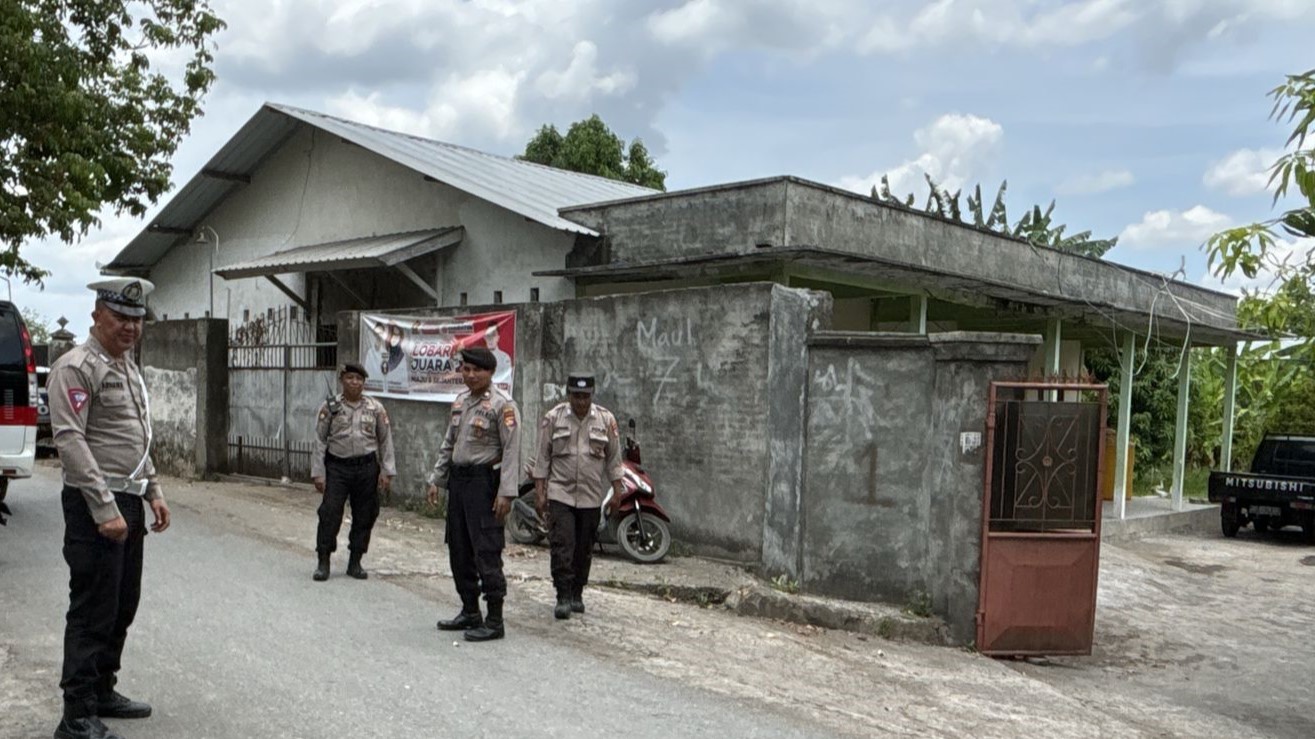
[[648, 549], [522, 529]]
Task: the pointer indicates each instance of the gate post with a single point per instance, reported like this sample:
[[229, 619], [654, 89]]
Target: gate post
[[283, 425]]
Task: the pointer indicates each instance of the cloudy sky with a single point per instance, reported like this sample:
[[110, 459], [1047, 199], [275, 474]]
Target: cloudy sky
[[1145, 119]]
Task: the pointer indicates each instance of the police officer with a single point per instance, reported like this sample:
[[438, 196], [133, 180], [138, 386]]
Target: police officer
[[579, 457], [353, 460], [100, 416], [484, 431]]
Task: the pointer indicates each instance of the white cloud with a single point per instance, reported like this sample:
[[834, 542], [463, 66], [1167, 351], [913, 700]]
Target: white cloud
[[1243, 172], [72, 266], [485, 100], [1165, 228], [1091, 184], [580, 78], [955, 149]]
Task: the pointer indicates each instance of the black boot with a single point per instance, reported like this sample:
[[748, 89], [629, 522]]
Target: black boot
[[492, 628], [115, 705], [467, 618], [577, 600], [354, 567], [563, 608], [76, 724], [322, 569]]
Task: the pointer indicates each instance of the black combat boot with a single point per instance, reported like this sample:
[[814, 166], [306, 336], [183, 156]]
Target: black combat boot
[[78, 724], [115, 705], [322, 569], [563, 608], [467, 618], [577, 600], [492, 628], [354, 567]]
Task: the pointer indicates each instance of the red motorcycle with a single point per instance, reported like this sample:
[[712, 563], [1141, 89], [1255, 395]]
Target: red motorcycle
[[637, 524]]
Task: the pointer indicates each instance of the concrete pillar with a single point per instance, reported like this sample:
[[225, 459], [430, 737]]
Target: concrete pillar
[[1123, 426], [1180, 429], [918, 314], [1050, 350], [1230, 393]]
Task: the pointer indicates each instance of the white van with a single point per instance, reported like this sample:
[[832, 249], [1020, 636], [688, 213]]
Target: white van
[[18, 398]]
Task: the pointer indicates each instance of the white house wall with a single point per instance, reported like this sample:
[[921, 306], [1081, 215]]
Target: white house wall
[[316, 189]]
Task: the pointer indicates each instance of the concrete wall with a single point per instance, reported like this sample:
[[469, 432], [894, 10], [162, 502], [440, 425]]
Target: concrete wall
[[740, 218], [712, 376], [316, 189], [892, 501], [185, 367]]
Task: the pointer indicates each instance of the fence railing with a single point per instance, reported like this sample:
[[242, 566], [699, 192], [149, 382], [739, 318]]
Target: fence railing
[[268, 457], [284, 356]]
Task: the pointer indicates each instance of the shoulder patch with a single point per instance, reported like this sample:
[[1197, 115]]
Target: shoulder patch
[[509, 417], [77, 397]]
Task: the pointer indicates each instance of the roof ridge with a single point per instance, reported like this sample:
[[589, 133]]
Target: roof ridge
[[472, 150]]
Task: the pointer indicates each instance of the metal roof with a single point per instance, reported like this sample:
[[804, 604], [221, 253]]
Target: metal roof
[[531, 190], [371, 251]]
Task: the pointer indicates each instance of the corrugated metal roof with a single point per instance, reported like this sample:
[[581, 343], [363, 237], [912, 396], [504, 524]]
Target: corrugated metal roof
[[371, 251], [531, 190]]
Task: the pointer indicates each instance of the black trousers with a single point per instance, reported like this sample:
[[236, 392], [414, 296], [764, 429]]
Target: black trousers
[[105, 586], [357, 480], [474, 536], [571, 534]]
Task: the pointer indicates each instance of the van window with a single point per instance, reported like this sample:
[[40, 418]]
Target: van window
[[11, 341]]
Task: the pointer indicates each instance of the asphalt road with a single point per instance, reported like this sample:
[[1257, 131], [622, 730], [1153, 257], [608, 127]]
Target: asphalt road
[[234, 640]]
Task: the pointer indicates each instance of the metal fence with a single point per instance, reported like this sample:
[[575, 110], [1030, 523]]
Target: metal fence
[[274, 391]]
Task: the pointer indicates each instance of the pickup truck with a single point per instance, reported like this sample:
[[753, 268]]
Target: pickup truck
[[1278, 491]]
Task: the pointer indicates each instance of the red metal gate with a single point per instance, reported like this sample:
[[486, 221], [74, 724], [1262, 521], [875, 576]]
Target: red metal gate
[[1041, 518]]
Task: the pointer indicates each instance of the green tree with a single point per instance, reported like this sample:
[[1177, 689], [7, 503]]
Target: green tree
[[589, 146], [1256, 249], [1036, 225], [38, 326], [90, 121]]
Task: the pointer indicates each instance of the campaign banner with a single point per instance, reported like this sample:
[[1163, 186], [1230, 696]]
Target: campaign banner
[[419, 358]]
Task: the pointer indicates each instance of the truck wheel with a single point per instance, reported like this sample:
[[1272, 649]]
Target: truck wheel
[[1308, 528], [1228, 521]]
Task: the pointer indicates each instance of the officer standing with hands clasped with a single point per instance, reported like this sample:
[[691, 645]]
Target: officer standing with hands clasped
[[101, 419], [353, 460], [579, 457], [484, 431]]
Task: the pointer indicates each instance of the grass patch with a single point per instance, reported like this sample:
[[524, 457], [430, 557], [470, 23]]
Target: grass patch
[[415, 505], [1145, 480], [784, 584]]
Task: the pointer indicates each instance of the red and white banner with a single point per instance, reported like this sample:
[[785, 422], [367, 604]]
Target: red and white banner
[[418, 358]]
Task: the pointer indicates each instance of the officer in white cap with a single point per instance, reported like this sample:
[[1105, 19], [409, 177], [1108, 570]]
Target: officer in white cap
[[100, 416]]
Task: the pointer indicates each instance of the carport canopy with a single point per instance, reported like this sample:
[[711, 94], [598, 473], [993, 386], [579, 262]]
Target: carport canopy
[[387, 251]]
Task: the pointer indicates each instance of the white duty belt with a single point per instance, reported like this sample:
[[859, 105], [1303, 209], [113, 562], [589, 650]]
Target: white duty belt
[[130, 484]]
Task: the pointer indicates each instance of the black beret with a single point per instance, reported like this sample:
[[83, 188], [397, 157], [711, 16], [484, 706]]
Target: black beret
[[355, 368], [480, 357]]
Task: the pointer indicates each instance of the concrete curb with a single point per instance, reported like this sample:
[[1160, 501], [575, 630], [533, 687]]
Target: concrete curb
[[1197, 521], [864, 618]]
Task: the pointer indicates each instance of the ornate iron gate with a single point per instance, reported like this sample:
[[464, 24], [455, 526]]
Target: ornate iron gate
[[1041, 518]]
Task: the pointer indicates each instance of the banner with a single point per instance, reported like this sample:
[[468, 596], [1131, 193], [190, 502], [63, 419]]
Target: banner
[[418, 358]]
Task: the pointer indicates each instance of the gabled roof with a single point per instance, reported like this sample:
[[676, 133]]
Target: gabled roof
[[531, 190]]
